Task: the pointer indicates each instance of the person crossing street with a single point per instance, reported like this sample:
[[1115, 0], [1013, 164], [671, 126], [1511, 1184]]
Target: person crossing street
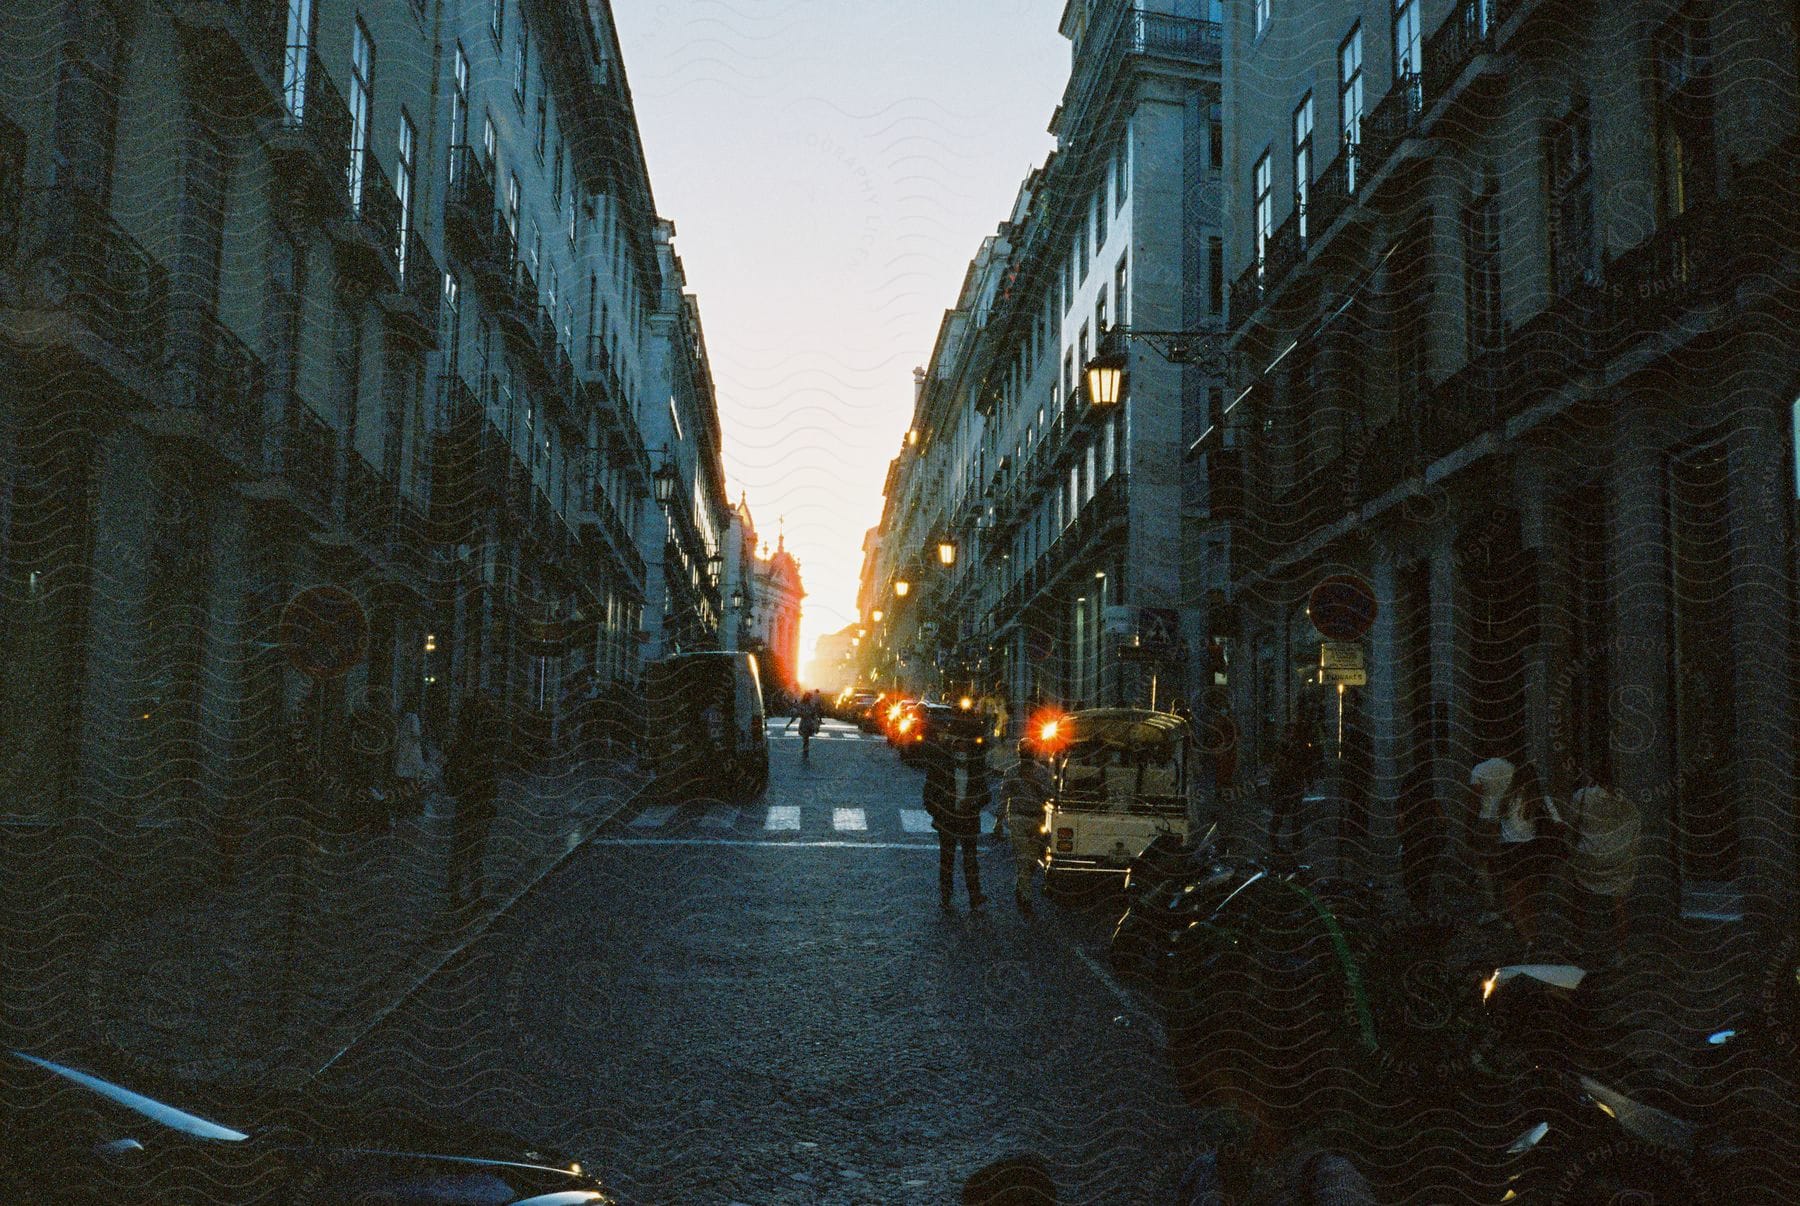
[[807, 713]]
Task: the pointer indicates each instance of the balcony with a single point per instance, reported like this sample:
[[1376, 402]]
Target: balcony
[[215, 391], [1685, 262], [310, 141], [471, 206], [304, 464], [1333, 192], [369, 241], [413, 306], [1466, 35], [236, 40], [370, 506], [518, 309], [1464, 405], [84, 288], [1393, 120], [1284, 251], [1132, 33]]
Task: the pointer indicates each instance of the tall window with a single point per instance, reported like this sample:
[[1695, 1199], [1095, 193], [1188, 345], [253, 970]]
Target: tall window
[[512, 206], [556, 175], [1261, 205], [1684, 114], [1100, 212], [1350, 99], [362, 100], [403, 186], [1570, 180], [452, 322], [1261, 12], [1122, 173], [521, 61], [1303, 157], [1100, 315], [497, 20], [1120, 303], [1481, 277], [1406, 38], [294, 64], [459, 100], [1215, 275], [490, 143], [543, 122]]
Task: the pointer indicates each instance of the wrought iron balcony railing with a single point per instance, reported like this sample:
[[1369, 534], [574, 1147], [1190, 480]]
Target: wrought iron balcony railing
[[228, 389], [1391, 121], [376, 205], [308, 461], [314, 109], [73, 256]]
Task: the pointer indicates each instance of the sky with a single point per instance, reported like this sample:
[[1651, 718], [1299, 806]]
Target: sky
[[831, 166]]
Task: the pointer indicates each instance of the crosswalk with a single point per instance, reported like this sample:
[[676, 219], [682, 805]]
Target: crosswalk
[[829, 730], [710, 821]]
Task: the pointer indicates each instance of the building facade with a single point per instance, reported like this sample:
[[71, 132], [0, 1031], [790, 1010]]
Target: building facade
[[763, 594], [1059, 515], [370, 298], [1512, 302]]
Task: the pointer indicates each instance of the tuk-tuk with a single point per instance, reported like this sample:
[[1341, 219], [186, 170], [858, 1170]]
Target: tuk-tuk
[[1120, 783]]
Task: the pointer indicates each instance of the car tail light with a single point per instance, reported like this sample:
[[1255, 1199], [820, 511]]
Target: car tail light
[[1065, 835]]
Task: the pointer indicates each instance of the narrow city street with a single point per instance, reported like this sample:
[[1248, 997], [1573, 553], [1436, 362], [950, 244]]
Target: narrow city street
[[764, 1004]]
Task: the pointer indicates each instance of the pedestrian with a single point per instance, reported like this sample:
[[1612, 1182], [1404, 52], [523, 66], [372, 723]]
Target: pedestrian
[[1604, 828], [1014, 1181], [471, 775], [1028, 786], [1294, 765], [1525, 861], [955, 814], [811, 709], [409, 767], [1491, 780]]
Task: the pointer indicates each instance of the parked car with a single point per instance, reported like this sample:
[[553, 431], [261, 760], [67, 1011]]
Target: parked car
[[859, 709], [70, 1136], [705, 733]]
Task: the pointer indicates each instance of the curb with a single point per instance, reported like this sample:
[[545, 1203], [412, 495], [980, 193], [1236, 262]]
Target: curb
[[470, 935]]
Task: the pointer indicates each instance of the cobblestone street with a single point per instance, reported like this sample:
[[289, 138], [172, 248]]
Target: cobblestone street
[[765, 1005]]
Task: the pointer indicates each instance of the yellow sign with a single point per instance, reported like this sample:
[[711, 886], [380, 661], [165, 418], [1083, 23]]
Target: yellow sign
[[1341, 664]]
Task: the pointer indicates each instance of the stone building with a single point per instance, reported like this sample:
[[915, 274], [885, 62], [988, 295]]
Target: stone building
[[1513, 299], [1058, 513]]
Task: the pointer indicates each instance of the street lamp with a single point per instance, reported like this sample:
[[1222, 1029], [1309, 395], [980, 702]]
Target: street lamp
[[737, 599], [664, 479], [901, 587], [946, 551], [1106, 379], [876, 615]]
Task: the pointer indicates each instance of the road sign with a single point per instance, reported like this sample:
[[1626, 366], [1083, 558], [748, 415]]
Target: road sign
[[1119, 620], [1341, 664], [324, 631], [1159, 626], [1342, 607]]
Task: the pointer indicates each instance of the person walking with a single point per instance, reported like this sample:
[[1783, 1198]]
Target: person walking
[[808, 712], [1526, 860], [1027, 786], [409, 767], [956, 815], [1295, 764], [1491, 780], [1604, 828], [471, 775]]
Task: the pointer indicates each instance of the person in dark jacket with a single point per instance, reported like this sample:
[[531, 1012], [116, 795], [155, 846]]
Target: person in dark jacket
[[471, 775], [952, 801]]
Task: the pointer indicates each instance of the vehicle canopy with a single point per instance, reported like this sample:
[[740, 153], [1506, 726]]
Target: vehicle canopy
[[1122, 753]]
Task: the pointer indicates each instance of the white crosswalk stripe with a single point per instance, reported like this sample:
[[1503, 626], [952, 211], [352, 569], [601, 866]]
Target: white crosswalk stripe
[[719, 817], [653, 818], [783, 816], [915, 820], [846, 819]]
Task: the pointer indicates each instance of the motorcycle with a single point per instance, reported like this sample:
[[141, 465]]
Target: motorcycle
[[1167, 890]]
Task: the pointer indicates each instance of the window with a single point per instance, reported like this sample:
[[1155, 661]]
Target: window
[[1083, 247], [1261, 205], [521, 62], [574, 214], [490, 144], [1303, 158], [1121, 305], [1481, 274], [1215, 143], [293, 68], [1100, 219], [1406, 38], [1215, 275], [543, 123], [556, 176], [459, 100], [1068, 381], [1350, 100], [1100, 315], [362, 101], [1684, 117], [497, 21], [1570, 180], [403, 187], [1261, 12], [1122, 173], [550, 293], [512, 206]]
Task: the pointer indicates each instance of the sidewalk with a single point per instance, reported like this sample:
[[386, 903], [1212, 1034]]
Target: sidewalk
[[268, 980]]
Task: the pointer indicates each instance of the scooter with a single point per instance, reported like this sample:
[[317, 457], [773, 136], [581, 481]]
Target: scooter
[[1727, 1134]]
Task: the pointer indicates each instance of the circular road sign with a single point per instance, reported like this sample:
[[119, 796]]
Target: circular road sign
[[1342, 607], [324, 631]]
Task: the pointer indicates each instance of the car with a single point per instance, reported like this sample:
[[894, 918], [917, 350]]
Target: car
[[927, 722], [71, 1136]]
